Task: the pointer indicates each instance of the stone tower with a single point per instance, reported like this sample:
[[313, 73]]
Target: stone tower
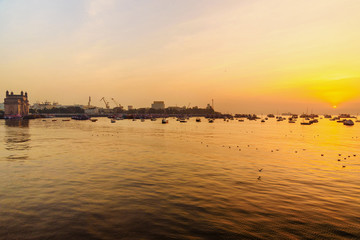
[[16, 105]]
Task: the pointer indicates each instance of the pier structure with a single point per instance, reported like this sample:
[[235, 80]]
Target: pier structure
[[16, 105]]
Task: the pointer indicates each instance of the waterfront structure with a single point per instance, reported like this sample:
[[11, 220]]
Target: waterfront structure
[[45, 105], [92, 111], [130, 107], [158, 105], [16, 104]]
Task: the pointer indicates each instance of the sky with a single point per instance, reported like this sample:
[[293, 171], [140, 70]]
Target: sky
[[250, 56]]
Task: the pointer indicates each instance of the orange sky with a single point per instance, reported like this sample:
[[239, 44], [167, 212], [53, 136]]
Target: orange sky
[[250, 56]]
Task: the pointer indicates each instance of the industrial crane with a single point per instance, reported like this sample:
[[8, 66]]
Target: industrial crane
[[106, 103], [117, 105]]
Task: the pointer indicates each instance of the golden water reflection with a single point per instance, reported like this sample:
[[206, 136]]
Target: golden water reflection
[[17, 139]]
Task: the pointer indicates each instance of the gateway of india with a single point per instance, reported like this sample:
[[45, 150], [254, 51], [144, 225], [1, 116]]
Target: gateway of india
[[16, 104]]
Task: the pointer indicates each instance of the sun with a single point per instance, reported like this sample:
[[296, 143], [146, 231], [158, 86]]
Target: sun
[[334, 106]]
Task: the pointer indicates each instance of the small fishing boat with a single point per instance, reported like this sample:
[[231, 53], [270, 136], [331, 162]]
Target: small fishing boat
[[348, 122], [211, 120], [164, 121], [113, 121], [80, 117], [198, 120], [93, 120]]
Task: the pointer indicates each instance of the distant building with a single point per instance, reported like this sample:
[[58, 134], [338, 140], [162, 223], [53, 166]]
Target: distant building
[[130, 107], [209, 107], [92, 110], [176, 108], [45, 105], [16, 104], [2, 106], [158, 105]]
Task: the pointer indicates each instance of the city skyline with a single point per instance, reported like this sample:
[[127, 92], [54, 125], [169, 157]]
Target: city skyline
[[250, 56]]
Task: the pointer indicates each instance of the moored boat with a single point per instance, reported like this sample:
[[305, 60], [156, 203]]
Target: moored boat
[[80, 117], [348, 122]]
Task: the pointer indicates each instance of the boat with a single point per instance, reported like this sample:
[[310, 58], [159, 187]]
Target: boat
[[143, 120], [263, 121], [113, 121], [80, 117], [153, 119], [164, 121], [241, 120], [211, 120], [93, 120], [306, 123], [348, 122], [198, 120], [314, 121], [182, 120], [66, 120]]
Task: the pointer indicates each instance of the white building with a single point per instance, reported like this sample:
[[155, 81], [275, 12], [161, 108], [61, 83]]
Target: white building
[[92, 110], [45, 105], [158, 105]]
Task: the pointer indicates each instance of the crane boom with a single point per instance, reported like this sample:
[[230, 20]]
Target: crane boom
[[106, 103], [117, 105]]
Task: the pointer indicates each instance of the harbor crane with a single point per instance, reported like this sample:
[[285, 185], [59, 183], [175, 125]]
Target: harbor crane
[[117, 105], [106, 103], [89, 101]]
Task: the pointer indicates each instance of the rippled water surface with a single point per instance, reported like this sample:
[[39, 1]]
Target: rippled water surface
[[147, 180]]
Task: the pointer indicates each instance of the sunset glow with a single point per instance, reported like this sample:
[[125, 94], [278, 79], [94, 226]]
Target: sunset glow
[[271, 55]]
